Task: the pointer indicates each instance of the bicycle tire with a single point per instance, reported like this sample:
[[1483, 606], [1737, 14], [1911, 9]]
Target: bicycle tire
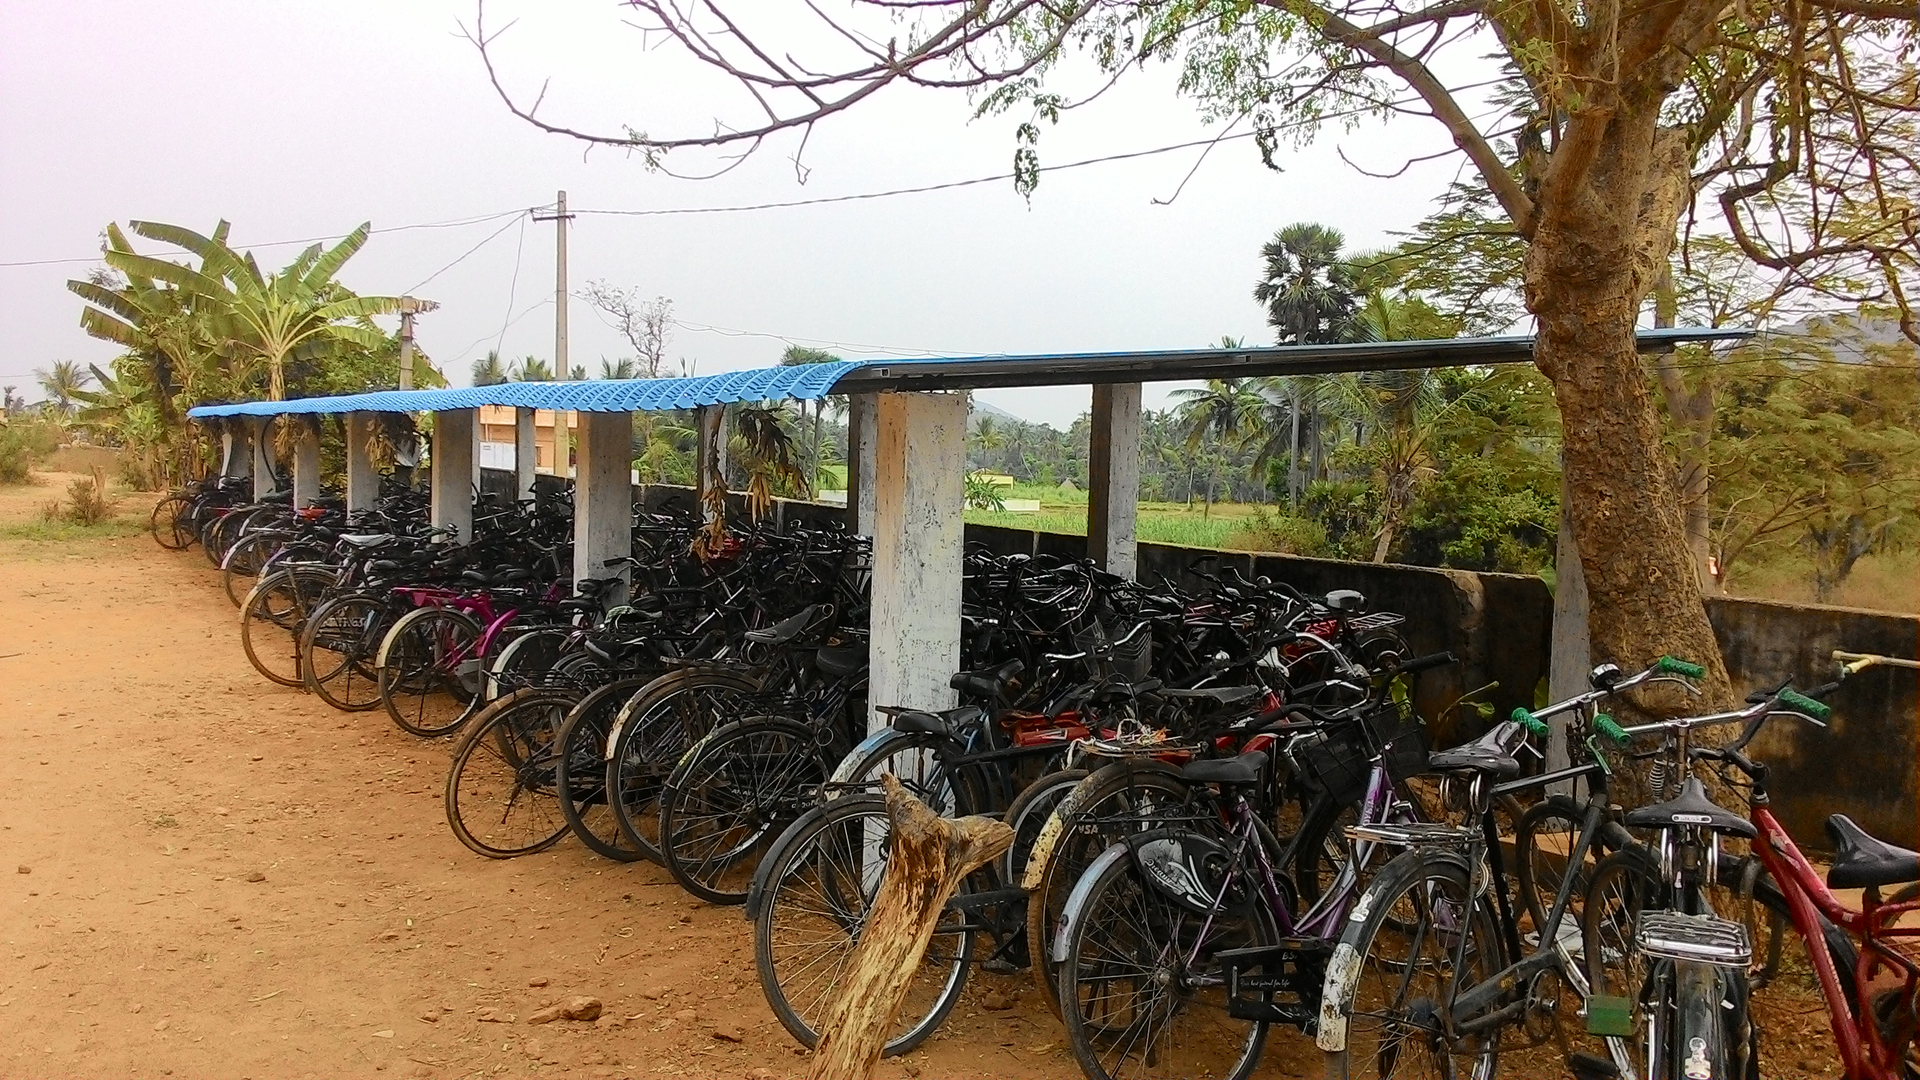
[[581, 771], [165, 522], [818, 882], [916, 759], [1027, 816], [1125, 983], [730, 797], [337, 648], [651, 733], [1081, 830], [419, 686], [1396, 941], [241, 568], [272, 617], [500, 798]]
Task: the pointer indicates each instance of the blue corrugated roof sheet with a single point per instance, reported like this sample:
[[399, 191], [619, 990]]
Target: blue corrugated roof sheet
[[799, 383]]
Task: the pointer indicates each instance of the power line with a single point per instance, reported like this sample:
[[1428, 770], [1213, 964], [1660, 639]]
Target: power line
[[791, 339], [463, 258], [455, 223]]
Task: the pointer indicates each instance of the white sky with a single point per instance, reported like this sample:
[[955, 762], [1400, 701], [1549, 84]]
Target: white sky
[[302, 120]]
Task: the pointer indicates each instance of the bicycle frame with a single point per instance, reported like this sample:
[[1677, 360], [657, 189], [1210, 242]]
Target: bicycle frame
[[1865, 1054]]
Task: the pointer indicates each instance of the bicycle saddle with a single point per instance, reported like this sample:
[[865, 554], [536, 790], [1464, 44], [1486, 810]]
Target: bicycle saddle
[[1487, 754], [1859, 860], [1244, 769], [786, 629], [921, 722], [366, 540], [840, 661], [1692, 807], [986, 682], [1346, 601], [1219, 695]]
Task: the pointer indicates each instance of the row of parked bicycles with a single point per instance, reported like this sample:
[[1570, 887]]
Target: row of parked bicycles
[[1235, 847]]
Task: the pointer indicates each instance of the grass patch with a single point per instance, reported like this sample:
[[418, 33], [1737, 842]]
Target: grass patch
[[60, 532], [1156, 523]]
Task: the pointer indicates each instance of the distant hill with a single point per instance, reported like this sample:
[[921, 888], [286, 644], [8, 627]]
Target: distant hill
[[981, 408]]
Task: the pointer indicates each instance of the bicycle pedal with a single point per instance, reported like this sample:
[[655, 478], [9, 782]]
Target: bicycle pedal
[[1587, 1067], [1000, 966], [1608, 1015]]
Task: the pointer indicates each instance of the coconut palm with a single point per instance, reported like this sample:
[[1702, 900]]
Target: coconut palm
[[1218, 416], [297, 314], [618, 369], [488, 370], [60, 383], [801, 356], [530, 369]]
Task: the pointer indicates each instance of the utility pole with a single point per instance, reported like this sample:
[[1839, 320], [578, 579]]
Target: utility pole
[[561, 451], [409, 307]]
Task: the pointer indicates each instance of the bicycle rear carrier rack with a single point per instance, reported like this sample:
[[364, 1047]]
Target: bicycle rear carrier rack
[[1702, 939], [1278, 984], [1412, 834]]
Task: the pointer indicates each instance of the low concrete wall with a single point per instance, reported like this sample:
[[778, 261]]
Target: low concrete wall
[[1867, 766]]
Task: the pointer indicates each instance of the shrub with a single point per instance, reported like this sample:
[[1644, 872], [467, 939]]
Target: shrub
[[1282, 534], [16, 457], [88, 499]]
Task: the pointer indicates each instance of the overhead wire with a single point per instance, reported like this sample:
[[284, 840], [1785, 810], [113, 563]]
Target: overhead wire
[[455, 223]]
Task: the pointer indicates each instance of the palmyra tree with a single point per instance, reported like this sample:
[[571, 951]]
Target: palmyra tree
[[1619, 120]]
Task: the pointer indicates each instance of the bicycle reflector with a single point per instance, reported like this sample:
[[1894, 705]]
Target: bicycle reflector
[[1608, 1015]]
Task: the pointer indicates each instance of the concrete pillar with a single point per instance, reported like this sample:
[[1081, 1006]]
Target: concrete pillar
[[1113, 477], [236, 446], [603, 497], [264, 481], [363, 480], [710, 455], [919, 494], [525, 456], [456, 470], [862, 425], [306, 464]]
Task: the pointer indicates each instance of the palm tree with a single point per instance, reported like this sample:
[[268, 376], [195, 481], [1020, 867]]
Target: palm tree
[[617, 369], [987, 438], [60, 384], [530, 369], [298, 313], [1309, 293], [801, 356], [488, 371], [1221, 415]]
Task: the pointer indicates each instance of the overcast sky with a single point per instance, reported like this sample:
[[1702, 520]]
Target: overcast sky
[[295, 121]]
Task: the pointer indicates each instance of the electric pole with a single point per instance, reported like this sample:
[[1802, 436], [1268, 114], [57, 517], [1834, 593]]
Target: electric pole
[[562, 452], [409, 307]]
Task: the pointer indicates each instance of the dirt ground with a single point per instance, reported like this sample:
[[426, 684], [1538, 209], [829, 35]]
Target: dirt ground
[[206, 875]]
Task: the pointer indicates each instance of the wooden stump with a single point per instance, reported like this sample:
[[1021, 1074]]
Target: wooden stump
[[928, 858]]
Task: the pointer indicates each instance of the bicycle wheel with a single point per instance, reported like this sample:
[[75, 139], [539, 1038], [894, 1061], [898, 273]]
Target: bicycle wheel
[[651, 733], [429, 671], [1113, 801], [273, 616], [167, 525], [731, 796], [337, 649], [531, 653], [582, 774], [1028, 813], [501, 799], [1621, 886], [241, 568], [1392, 972], [817, 889], [918, 761], [1141, 990]]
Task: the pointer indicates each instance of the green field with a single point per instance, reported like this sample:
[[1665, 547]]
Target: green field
[[1158, 523]]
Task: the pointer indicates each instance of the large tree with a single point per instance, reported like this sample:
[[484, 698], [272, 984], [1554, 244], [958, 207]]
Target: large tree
[[1615, 119]]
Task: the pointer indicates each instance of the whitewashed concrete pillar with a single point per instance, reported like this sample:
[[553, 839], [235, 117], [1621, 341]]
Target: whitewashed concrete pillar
[[862, 424], [363, 480], [710, 455], [918, 537], [525, 456], [603, 497], [236, 446], [306, 463], [264, 480], [456, 470], [1113, 478]]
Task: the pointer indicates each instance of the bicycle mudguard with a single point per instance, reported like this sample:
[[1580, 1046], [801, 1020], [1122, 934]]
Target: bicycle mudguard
[[1343, 967], [1074, 913]]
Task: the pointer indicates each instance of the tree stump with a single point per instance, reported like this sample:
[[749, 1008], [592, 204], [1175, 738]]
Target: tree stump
[[928, 857]]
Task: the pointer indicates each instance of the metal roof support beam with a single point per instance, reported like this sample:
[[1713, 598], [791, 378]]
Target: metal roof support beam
[[603, 499], [456, 470], [264, 480], [526, 456], [918, 537], [363, 480], [1113, 477], [306, 463], [862, 431], [709, 457]]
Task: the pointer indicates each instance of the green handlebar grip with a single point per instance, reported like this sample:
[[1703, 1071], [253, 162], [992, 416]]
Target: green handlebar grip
[[1672, 666], [1801, 703], [1529, 721], [1604, 724]]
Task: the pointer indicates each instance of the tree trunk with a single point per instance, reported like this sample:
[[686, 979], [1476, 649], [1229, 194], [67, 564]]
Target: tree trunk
[[928, 856], [1593, 257], [1293, 448]]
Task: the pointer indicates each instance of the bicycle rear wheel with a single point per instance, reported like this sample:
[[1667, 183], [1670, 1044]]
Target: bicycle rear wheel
[[167, 525], [735, 792], [582, 772], [814, 899], [273, 616], [429, 671], [337, 648], [241, 568], [501, 798], [651, 733]]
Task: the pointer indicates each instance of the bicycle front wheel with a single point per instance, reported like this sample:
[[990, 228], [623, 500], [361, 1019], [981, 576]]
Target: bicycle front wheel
[[1392, 972], [816, 892], [501, 796], [429, 671], [336, 652], [731, 796], [274, 614]]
